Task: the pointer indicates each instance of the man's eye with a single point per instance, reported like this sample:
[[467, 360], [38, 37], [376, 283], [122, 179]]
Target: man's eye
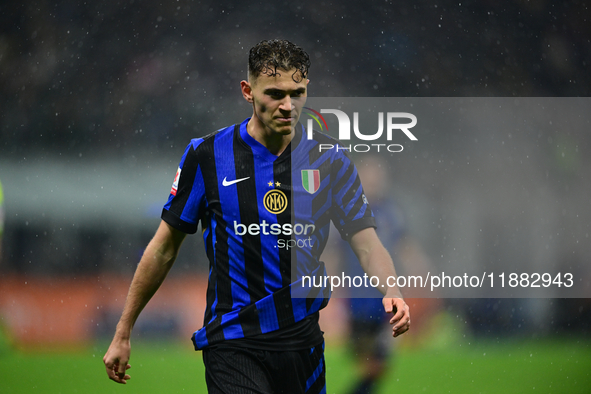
[[276, 95]]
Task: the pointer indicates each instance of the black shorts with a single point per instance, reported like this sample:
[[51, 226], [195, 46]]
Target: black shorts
[[235, 370]]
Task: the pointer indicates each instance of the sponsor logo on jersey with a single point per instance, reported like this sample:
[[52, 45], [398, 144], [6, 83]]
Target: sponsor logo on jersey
[[175, 184], [265, 228], [300, 234], [275, 201], [311, 180]]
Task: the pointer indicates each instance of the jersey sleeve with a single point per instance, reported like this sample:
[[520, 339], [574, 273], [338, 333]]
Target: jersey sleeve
[[351, 212], [187, 195]]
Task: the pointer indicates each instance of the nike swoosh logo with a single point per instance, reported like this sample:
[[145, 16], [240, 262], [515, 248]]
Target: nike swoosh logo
[[225, 182]]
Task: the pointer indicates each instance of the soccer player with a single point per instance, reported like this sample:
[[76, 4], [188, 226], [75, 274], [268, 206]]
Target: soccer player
[[264, 195]]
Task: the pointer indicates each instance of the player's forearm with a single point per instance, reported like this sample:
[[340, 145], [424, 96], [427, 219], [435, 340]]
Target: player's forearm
[[150, 273], [377, 262]]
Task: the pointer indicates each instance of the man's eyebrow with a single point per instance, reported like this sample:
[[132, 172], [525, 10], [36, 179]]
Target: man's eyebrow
[[282, 91], [277, 90]]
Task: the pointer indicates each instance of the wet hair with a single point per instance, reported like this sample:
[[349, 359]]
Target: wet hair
[[268, 56]]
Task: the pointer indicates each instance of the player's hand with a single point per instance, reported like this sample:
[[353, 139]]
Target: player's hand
[[116, 360], [401, 318]]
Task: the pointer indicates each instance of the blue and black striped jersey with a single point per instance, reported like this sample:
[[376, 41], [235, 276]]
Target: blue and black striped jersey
[[265, 222]]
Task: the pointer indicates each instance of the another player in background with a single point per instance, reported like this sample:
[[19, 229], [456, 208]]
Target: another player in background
[[368, 330], [257, 188], [1, 219]]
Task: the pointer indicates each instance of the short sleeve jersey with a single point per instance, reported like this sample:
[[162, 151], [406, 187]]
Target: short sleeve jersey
[[260, 213]]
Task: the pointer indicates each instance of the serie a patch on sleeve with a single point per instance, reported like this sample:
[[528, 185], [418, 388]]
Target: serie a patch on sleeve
[[175, 184]]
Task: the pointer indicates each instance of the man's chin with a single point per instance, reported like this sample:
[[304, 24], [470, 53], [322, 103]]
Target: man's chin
[[285, 129]]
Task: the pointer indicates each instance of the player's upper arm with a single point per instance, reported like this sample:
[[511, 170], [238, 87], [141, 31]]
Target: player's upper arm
[[364, 242], [350, 211], [168, 240]]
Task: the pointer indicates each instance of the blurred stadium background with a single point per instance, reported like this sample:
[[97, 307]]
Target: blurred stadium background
[[98, 101]]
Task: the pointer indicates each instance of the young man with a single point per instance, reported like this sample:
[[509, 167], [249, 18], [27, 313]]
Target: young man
[[265, 196]]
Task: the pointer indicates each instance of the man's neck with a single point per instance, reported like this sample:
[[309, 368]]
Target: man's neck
[[274, 142]]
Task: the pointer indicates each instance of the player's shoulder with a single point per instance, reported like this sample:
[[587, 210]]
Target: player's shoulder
[[209, 138], [205, 145], [318, 136], [202, 149], [324, 144]]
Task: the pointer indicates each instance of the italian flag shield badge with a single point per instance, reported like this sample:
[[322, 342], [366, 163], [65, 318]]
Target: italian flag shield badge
[[311, 180]]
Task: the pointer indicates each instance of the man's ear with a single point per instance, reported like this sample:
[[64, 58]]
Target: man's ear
[[246, 91]]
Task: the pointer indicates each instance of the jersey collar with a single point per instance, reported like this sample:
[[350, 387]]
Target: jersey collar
[[262, 151]]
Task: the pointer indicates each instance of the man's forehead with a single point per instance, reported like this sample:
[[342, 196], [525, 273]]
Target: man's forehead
[[283, 79]]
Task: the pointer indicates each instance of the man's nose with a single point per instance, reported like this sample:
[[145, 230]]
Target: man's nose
[[286, 104]]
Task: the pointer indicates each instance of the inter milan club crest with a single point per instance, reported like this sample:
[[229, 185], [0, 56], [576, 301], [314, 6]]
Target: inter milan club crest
[[311, 180]]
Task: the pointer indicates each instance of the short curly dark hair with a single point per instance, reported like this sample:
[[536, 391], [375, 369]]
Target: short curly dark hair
[[269, 55]]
